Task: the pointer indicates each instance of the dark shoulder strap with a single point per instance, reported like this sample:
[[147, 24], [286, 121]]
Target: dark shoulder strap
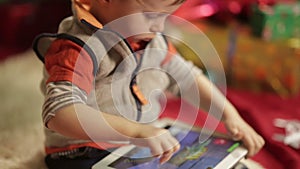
[[41, 50]]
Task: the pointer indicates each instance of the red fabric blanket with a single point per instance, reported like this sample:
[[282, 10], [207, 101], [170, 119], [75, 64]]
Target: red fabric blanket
[[259, 110]]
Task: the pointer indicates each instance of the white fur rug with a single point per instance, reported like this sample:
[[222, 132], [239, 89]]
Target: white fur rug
[[21, 131], [21, 134]]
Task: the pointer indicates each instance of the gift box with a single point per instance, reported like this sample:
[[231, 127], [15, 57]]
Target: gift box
[[281, 21]]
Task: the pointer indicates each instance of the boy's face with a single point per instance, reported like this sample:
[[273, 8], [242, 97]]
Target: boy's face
[[138, 19]]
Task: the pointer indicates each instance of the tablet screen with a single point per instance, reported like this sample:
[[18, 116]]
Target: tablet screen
[[192, 154]]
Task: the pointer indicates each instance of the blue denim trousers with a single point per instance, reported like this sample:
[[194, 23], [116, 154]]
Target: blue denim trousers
[[81, 158]]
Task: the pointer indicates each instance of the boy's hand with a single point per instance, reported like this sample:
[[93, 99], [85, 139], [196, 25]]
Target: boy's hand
[[239, 130], [161, 143]]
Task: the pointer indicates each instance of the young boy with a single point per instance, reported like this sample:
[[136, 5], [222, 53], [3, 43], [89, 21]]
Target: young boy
[[97, 86]]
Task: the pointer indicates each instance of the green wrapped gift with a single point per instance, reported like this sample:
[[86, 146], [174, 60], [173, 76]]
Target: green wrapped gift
[[281, 21]]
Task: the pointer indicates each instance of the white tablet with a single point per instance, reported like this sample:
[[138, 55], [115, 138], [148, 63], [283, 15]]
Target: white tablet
[[216, 151]]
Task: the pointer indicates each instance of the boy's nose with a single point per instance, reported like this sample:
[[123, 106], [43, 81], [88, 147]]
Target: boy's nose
[[158, 27]]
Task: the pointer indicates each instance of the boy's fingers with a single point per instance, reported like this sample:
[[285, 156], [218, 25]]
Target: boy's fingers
[[177, 147], [250, 144], [171, 148], [166, 156], [175, 143], [262, 141], [254, 142], [259, 143], [157, 151]]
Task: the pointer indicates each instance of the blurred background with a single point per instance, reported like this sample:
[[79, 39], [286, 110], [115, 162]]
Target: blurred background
[[258, 42]]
